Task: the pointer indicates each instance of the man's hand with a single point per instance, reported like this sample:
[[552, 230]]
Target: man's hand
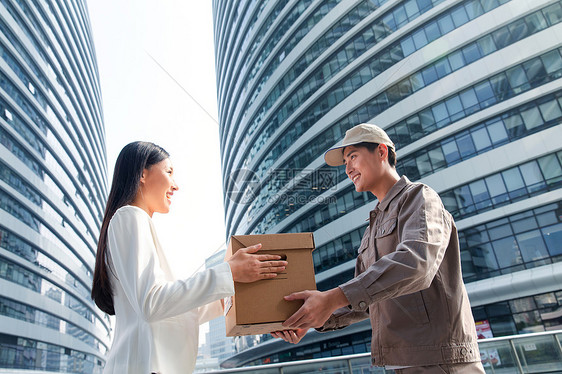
[[290, 336], [246, 266], [317, 308]]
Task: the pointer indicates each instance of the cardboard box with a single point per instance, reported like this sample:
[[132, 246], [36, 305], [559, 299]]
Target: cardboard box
[[259, 307]]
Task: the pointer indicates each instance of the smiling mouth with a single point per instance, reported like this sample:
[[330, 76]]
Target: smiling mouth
[[354, 179]]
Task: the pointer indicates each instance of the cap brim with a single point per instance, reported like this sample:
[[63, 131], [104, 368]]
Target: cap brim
[[334, 156]]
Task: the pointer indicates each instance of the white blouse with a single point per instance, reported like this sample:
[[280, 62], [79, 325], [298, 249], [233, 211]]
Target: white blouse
[[157, 316]]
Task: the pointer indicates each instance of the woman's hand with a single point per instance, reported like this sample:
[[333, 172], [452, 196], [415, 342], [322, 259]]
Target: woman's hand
[[248, 267], [290, 336]]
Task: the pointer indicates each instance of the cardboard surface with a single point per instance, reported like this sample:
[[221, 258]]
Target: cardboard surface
[[259, 307]]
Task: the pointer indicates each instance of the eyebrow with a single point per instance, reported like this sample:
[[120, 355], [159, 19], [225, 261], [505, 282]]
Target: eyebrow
[[350, 152]]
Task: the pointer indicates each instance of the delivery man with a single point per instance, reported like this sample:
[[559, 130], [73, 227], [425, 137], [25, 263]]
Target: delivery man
[[407, 275]]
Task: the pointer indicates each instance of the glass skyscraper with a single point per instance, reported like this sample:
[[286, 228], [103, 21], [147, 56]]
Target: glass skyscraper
[[53, 186], [471, 93]]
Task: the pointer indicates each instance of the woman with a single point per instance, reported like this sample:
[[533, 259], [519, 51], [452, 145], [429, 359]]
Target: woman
[[157, 316]]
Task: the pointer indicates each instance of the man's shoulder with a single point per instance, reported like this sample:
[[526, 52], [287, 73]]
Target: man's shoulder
[[426, 195], [417, 187], [418, 190]]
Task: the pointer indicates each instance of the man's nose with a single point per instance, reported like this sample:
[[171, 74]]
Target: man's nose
[[348, 169]]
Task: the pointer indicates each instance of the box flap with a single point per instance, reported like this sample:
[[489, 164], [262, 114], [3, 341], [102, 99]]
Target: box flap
[[274, 241]]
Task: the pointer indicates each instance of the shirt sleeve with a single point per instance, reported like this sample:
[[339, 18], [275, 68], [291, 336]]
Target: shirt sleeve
[[425, 230], [345, 316], [135, 263], [210, 311]]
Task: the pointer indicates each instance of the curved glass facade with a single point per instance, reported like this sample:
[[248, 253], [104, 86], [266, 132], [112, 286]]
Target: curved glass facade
[[469, 90], [53, 186]]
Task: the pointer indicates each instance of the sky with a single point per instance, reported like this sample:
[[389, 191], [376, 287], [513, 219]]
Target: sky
[[157, 75], [156, 69]]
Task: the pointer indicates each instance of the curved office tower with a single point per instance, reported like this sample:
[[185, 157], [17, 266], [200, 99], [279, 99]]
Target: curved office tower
[[471, 93], [53, 186]]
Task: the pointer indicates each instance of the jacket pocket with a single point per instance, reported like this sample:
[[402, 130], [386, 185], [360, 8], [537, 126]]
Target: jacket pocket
[[364, 242], [386, 228], [386, 238]]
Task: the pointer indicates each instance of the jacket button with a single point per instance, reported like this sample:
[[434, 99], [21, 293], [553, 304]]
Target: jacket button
[[362, 305]]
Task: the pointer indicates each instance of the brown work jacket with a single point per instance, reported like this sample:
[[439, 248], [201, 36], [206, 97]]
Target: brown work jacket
[[408, 280]]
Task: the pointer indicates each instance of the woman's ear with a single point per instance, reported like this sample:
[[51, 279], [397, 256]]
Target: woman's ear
[[143, 176]]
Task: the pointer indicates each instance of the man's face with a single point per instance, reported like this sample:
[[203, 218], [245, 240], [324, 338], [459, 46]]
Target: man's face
[[364, 168]]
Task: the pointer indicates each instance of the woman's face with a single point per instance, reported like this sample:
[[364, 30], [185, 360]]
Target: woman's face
[[157, 187]]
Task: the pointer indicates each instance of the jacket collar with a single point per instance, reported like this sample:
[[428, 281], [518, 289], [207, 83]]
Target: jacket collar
[[393, 192]]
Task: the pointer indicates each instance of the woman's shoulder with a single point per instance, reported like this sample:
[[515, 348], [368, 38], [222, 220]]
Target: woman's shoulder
[[130, 213]]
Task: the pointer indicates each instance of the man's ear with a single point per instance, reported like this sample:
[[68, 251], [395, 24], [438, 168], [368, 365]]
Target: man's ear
[[383, 151]]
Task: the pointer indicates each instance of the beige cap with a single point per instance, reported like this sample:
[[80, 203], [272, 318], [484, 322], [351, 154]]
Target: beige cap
[[364, 132]]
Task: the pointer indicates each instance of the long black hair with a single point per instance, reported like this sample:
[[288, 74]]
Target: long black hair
[[132, 160]]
